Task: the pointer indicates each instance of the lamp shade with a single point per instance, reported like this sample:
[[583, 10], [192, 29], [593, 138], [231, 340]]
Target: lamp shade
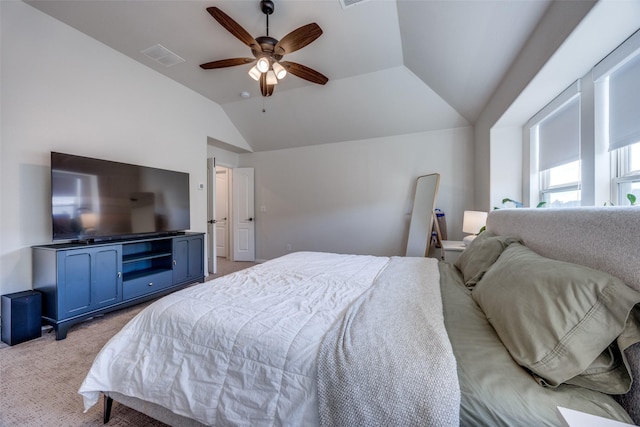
[[263, 64], [271, 78], [473, 221], [255, 73], [279, 70]]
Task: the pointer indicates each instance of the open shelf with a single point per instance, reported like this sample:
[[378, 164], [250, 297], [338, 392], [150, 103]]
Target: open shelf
[[142, 256], [136, 274]]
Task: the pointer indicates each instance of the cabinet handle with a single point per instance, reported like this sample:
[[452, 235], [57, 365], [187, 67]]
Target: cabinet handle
[[175, 262], [150, 283], [119, 274]]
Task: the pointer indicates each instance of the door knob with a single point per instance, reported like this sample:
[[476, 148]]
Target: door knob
[[250, 219], [211, 221]]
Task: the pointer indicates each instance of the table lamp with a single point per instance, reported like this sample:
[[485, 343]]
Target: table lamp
[[472, 222]]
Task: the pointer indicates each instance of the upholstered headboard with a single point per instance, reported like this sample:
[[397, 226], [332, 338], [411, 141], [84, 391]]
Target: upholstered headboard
[[604, 238]]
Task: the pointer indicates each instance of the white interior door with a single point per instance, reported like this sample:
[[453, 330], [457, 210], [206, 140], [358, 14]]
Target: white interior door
[[211, 208], [222, 211], [243, 214]]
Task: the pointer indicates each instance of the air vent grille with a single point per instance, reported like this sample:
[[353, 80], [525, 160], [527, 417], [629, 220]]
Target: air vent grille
[[348, 3], [162, 55]]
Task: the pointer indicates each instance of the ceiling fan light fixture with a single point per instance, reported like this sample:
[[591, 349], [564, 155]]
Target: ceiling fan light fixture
[[279, 70], [263, 64], [271, 78], [255, 73], [268, 51]]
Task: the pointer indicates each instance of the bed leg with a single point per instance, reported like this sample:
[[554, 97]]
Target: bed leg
[[108, 402]]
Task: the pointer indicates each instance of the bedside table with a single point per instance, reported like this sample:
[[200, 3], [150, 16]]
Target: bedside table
[[452, 249]]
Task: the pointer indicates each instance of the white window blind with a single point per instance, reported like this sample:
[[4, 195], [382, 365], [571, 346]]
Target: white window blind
[[559, 136], [624, 105], [619, 77]]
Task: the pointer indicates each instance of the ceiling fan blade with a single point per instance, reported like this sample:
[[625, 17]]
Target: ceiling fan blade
[[297, 39], [231, 62], [265, 89], [233, 27], [304, 72]]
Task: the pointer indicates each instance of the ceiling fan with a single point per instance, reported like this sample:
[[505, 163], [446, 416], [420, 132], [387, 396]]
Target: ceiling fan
[[268, 52]]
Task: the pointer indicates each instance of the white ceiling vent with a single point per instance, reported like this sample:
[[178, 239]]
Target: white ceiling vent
[[162, 55], [348, 3]]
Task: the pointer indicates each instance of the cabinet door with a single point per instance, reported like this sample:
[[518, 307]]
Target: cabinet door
[[196, 257], [188, 261], [106, 280], [74, 283], [88, 279], [180, 260]]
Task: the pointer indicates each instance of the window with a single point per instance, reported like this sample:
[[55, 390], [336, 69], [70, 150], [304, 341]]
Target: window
[[555, 132], [617, 80], [627, 173], [560, 185], [624, 128], [601, 164]]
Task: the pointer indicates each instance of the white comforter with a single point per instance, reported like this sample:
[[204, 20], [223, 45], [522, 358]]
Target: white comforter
[[237, 350]]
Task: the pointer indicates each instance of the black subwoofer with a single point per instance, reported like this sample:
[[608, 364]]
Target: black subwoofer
[[21, 317]]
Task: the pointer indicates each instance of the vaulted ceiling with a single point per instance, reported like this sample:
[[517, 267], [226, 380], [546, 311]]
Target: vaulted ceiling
[[394, 67]]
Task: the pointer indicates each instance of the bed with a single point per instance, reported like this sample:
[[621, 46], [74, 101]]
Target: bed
[[540, 311]]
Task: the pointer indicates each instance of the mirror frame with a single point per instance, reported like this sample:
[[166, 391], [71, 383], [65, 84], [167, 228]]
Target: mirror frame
[[423, 216]]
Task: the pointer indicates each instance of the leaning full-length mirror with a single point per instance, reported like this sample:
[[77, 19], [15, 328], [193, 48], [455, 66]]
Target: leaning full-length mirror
[[424, 203]]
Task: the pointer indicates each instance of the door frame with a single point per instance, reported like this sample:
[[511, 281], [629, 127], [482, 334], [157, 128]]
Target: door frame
[[222, 195], [211, 210]]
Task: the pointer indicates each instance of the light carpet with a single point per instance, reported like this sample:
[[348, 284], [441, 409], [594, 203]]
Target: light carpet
[[39, 379]]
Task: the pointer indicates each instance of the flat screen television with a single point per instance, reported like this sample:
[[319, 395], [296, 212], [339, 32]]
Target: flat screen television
[[94, 200]]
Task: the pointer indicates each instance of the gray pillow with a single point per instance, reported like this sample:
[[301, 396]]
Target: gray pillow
[[481, 253], [559, 319], [631, 401]]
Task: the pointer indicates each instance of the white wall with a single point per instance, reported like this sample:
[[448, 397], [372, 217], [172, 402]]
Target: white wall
[[63, 91], [356, 196], [506, 165], [555, 27]]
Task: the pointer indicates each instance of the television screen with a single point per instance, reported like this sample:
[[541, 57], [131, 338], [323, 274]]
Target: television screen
[[94, 199]]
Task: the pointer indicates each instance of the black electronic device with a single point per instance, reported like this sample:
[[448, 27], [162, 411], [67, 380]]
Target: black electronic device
[[21, 317], [94, 199]]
